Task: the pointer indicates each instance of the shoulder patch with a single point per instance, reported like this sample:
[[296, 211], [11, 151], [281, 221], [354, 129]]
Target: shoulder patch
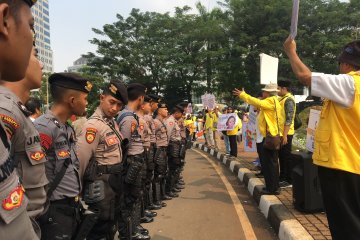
[[14, 199], [46, 141], [90, 135], [63, 153], [112, 140], [10, 124], [37, 156]]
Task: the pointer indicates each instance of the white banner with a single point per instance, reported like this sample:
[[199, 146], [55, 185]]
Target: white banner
[[227, 122], [249, 132], [268, 69], [313, 122]]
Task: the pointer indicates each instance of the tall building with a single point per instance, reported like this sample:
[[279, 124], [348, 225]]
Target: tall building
[[78, 65], [42, 28]]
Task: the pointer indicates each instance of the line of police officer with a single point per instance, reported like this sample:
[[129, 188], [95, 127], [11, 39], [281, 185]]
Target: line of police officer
[[117, 168], [112, 164]]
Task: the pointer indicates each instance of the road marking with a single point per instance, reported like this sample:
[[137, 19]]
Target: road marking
[[243, 218]]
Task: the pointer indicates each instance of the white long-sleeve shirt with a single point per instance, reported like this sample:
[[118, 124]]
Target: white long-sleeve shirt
[[337, 88]]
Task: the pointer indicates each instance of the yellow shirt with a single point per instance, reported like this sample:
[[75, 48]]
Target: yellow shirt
[[215, 120], [209, 122], [267, 118], [337, 137]]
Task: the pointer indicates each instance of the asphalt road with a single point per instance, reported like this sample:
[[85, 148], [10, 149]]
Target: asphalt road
[[214, 205]]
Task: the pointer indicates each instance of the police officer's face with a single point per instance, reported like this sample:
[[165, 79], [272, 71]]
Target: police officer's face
[[163, 112], [16, 39], [33, 74], [177, 115], [154, 106], [79, 103], [110, 105]]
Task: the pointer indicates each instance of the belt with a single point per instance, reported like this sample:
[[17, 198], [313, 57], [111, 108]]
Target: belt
[[109, 169], [162, 148], [175, 142], [73, 201]]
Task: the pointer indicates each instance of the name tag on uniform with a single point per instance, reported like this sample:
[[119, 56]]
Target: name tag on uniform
[[112, 140]]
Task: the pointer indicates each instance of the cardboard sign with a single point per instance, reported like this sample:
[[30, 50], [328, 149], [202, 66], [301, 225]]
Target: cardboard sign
[[189, 109], [313, 122], [268, 69], [227, 122], [249, 132], [208, 101], [294, 19]]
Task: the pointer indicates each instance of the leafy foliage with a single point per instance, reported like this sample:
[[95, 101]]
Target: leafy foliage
[[216, 50]]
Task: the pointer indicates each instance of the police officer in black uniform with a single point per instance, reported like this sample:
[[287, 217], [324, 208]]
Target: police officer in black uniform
[[100, 155], [69, 92], [129, 127]]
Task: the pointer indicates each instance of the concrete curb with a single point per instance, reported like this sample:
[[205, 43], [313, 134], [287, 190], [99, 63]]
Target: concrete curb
[[279, 217]]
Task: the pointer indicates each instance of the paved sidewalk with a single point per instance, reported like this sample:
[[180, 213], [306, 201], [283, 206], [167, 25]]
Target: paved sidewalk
[[315, 224]]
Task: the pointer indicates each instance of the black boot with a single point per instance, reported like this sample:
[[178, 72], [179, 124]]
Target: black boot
[[142, 230], [175, 190], [154, 206], [146, 219], [150, 213], [173, 195], [166, 197]]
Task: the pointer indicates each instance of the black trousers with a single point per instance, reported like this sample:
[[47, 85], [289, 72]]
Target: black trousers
[[61, 220], [259, 149], [233, 145], [270, 169], [285, 158], [341, 196]]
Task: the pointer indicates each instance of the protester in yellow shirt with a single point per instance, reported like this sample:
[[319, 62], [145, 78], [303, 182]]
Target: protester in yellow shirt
[[215, 116], [270, 122], [209, 124], [233, 133]]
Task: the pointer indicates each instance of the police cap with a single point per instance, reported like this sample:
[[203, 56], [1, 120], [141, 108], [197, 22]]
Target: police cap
[[147, 99], [162, 105], [70, 81], [136, 90], [286, 84], [183, 104], [178, 108], [118, 90], [155, 98]]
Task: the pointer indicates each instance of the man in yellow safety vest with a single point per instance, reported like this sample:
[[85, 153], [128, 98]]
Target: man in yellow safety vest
[[337, 138]]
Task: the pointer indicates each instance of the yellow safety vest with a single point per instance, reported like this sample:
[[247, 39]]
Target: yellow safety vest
[[282, 101], [337, 137]]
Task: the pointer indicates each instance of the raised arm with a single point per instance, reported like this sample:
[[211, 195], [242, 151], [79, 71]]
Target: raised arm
[[301, 71]]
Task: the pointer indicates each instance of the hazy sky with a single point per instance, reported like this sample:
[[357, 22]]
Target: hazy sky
[[71, 22]]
